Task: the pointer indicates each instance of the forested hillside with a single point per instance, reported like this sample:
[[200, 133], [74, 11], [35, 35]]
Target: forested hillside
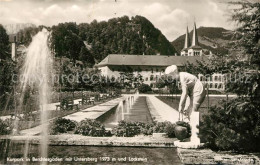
[[92, 42]]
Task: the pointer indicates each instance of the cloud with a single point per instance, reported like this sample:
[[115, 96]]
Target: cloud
[[169, 16]]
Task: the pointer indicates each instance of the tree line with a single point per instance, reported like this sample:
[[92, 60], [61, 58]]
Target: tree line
[[92, 42]]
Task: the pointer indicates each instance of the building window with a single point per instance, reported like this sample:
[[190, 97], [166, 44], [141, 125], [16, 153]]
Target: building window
[[156, 78], [151, 78], [210, 85], [146, 79]]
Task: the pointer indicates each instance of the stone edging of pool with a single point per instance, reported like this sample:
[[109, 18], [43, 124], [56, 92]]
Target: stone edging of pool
[[68, 139], [207, 156]]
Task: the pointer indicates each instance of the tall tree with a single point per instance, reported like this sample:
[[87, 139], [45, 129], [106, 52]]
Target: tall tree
[[86, 57], [4, 43], [7, 69]]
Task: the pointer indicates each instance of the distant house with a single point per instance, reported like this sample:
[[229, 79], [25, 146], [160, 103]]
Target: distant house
[[149, 66]]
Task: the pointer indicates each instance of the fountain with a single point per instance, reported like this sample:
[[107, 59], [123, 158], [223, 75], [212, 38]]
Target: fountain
[[35, 74]]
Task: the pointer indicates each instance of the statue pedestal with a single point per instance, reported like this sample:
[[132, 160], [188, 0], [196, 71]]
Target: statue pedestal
[[194, 139]]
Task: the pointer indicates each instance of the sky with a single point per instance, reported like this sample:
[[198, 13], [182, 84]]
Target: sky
[[170, 16]]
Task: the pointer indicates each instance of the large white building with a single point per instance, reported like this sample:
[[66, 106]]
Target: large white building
[[149, 66]]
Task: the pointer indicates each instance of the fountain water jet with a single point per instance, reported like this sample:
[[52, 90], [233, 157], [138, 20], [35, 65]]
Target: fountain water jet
[[36, 74]]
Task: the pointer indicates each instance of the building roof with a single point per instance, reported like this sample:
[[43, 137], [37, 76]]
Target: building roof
[[147, 60], [195, 47], [185, 49]]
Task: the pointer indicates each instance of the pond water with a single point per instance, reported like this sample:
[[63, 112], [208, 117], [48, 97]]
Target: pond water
[[135, 110]]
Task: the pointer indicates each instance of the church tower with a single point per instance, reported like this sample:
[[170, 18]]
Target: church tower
[[195, 41], [184, 51], [195, 49]]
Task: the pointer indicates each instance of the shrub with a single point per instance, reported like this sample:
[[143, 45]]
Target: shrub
[[144, 88], [147, 129], [4, 128], [128, 129], [233, 125], [61, 125], [159, 127], [169, 130], [165, 127], [90, 127]]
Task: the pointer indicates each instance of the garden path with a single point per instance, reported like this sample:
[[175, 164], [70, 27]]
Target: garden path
[[95, 111]]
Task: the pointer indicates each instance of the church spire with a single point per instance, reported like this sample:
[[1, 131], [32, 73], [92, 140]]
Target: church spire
[[195, 41], [187, 39]]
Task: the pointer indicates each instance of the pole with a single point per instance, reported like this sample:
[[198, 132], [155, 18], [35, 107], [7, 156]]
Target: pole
[[208, 95], [60, 80]]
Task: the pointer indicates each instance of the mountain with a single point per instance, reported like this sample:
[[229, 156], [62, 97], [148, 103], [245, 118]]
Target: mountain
[[92, 42], [215, 39], [124, 35], [15, 28]]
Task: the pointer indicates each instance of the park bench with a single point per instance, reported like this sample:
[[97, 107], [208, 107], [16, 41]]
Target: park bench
[[96, 97], [82, 101], [92, 100], [62, 105], [101, 96], [71, 105], [87, 100]]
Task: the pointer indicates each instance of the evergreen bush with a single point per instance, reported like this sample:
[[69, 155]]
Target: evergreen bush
[[233, 125]]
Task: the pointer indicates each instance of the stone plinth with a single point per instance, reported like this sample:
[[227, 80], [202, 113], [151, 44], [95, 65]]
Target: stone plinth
[[194, 139]]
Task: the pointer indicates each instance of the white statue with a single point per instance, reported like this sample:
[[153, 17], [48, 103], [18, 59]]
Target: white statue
[[193, 91]]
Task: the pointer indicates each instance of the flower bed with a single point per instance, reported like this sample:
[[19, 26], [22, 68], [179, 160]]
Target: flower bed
[[90, 127]]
